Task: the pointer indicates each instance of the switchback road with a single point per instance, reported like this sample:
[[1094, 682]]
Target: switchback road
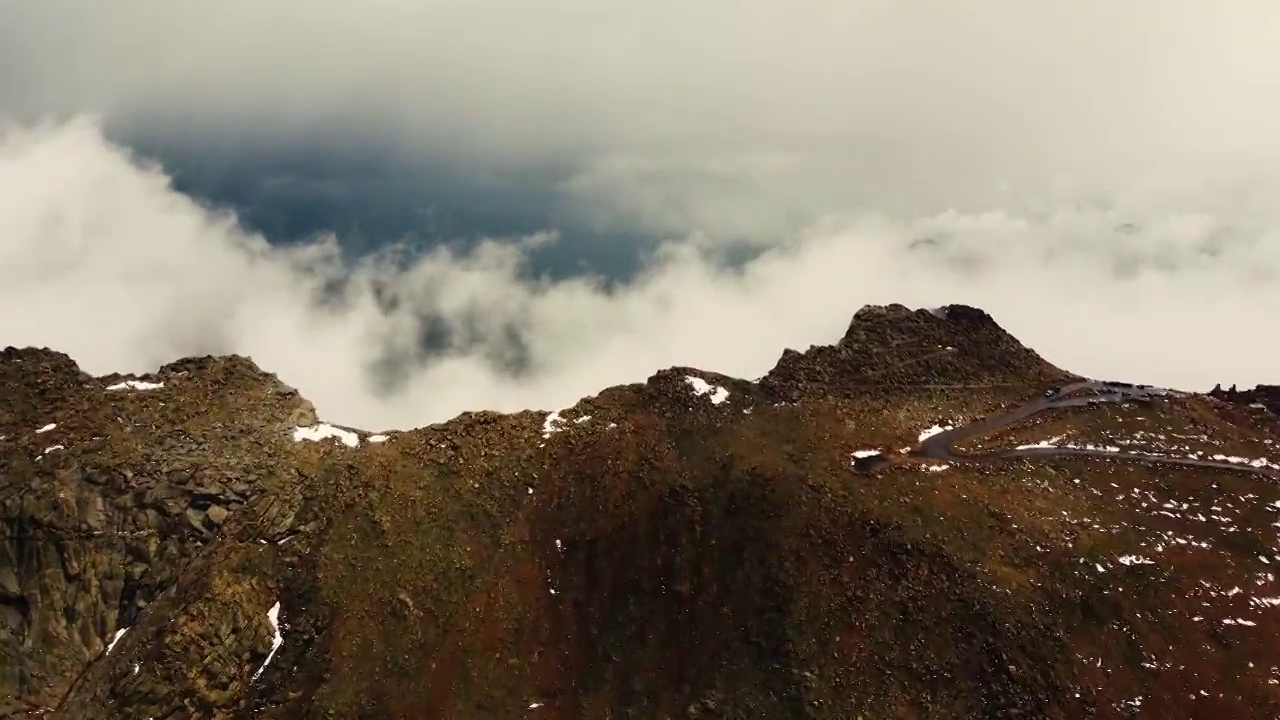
[[941, 446]]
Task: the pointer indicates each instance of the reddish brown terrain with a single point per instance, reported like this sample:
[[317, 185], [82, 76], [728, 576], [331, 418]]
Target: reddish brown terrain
[[696, 546]]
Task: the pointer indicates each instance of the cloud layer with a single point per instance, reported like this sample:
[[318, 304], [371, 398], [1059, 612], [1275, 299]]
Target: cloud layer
[[741, 120], [1100, 175], [99, 257]]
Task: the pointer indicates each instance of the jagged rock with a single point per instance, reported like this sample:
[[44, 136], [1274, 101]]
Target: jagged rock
[[889, 349], [693, 546], [1265, 397]]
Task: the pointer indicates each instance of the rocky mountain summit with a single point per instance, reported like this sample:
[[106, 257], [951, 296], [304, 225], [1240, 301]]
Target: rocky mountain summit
[[195, 543], [1262, 397]]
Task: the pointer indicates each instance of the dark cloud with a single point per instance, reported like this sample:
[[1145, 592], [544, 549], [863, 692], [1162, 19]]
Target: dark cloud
[[294, 192]]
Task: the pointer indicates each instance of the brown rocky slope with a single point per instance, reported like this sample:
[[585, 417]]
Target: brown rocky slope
[[695, 546]]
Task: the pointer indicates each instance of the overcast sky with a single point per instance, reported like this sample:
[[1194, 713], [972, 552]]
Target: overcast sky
[[1101, 176]]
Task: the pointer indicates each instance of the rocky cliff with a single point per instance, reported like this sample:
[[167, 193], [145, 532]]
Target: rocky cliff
[[197, 544]]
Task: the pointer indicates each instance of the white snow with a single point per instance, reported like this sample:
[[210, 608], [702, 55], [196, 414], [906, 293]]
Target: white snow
[[535, 705], [702, 387], [1095, 448], [377, 438], [46, 428], [1254, 462], [115, 639], [323, 431], [51, 448], [930, 432], [273, 616], [1050, 443], [1135, 560], [1056, 442], [866, 453], [552, 424], [136, 385]]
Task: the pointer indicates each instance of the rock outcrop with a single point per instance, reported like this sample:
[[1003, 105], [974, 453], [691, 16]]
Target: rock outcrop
[[892, 349], [196, 544], [1262, 397]]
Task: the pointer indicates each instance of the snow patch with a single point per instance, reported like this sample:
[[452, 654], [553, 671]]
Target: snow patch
[[46, 428], [273, 617], [1251, 462], [136, 385], [324, 431], [1095, 448], [377, 438], [115, 639], [866, 453], [552, 424], [1050, 443], [930, 432], [1056, 442], [702, 387], [1135, 560]]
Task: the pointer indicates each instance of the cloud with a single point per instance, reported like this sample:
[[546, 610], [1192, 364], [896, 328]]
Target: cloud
[[99, 257], [1100, 175], [740, 121]]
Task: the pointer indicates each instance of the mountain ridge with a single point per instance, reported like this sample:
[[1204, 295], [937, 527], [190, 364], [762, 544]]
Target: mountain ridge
[[692, 546]]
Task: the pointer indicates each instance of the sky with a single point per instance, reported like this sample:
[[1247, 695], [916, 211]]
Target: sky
[[412, 209]]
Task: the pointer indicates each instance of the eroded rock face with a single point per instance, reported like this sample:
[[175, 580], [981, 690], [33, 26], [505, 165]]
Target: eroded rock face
[[696, 546], [105, 494]]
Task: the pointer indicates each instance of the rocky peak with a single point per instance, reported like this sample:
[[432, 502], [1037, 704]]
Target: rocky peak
[[897, 324], [36, 372], [892, 346]]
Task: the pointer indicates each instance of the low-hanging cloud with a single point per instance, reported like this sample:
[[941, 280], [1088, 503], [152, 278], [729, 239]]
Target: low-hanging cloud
[[1100, 175], [101, 258]]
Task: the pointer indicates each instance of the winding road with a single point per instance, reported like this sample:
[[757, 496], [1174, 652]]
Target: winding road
[[941, 446]]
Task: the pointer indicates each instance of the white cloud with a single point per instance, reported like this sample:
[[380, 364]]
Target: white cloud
[[1101, 175], [728, 117], [100, 258]]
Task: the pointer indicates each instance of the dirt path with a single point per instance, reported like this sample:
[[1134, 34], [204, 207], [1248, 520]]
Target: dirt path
[[941, 446]]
